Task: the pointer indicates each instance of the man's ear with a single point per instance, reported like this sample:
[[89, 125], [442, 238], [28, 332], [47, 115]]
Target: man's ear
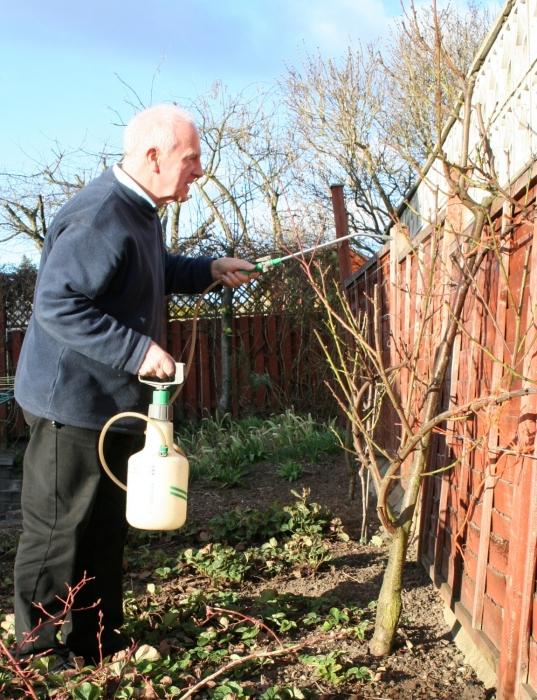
[[152, 156]]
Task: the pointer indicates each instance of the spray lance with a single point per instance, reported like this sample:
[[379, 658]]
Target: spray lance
[[157, 475], [264, 264]]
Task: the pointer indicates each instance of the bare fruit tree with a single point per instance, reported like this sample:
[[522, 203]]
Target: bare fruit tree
[[393, 337]]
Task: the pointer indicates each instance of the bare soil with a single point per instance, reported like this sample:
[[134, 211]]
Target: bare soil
[[425, 663]]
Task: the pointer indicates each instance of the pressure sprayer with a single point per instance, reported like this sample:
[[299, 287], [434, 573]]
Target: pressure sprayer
[[157, 476]]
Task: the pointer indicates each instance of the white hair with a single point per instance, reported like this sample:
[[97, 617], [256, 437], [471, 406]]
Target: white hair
[[154, 127]]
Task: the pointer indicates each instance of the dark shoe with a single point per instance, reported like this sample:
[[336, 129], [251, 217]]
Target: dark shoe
[[116, 642], [65, 662]]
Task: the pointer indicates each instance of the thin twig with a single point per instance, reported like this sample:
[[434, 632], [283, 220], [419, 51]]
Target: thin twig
[[15, 666], [212, 610], [257, 655]]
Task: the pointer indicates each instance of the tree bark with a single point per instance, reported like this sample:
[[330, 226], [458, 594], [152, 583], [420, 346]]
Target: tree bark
[[389, 602]]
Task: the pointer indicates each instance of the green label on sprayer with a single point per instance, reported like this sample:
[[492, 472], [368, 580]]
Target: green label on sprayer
[[176, 491]]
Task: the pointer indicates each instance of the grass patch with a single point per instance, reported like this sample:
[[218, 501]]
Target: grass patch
[[223, 449]]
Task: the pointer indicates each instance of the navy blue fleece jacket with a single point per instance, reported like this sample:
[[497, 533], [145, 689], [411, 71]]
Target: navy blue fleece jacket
[[99, 302]]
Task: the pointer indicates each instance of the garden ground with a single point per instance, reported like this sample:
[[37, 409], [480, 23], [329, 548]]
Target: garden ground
[[425, 664], [208, 598]]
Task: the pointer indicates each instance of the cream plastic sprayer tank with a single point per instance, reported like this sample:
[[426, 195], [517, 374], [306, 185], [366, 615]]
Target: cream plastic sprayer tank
[[157, 475]]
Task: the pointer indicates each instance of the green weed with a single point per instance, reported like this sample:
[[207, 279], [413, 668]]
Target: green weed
[[284, 693], [290, 470], [218, 562], [329, 668], [306, 517], [302, 554], [248, 525]]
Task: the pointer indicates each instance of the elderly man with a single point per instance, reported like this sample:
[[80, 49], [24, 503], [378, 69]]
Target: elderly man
[[97, 323]]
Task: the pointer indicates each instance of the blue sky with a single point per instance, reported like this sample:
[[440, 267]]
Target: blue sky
[[59, 60]]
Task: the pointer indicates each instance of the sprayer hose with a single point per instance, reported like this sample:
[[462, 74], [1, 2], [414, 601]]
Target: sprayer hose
[[128, 414], [193, 337]]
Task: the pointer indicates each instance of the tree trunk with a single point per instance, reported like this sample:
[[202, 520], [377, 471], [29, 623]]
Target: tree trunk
[[389, 601], [224, 400]]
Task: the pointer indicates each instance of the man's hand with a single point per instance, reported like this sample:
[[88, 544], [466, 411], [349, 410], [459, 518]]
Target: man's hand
[[232, 272], [157, 363]]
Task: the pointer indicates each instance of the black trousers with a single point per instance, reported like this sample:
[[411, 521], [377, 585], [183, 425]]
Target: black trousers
[[73, 525]]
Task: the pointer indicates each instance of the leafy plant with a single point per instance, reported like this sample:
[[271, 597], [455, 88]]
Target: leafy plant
[[248, 525], [229, 690], [218, 562], [290, 470], [305, 517], [300, 553], [228, 474], [283, 693], [87, 691], [329, 668], [223, 449]]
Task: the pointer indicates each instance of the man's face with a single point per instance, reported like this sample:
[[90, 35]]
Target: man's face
[[179, 166]]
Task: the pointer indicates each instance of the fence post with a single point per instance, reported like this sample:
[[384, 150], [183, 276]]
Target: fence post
[[3, 367], [342, 229], [491, 475], [226, 353], [520, 579]]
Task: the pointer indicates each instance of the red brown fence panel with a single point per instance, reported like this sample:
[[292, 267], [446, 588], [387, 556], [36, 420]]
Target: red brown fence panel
[[478, 534], [276, 364]]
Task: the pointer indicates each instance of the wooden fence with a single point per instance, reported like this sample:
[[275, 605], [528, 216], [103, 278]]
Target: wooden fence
[[275, 365], [478, 534]]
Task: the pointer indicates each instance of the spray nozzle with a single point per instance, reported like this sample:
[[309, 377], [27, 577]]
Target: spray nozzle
[[263, 265]]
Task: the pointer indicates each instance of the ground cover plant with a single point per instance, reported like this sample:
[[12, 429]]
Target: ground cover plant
[[266, 593]]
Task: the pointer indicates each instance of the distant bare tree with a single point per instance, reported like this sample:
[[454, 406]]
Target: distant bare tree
[[370, 120], [425, 65], [29, 202], [248, 168], [335, 107]]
